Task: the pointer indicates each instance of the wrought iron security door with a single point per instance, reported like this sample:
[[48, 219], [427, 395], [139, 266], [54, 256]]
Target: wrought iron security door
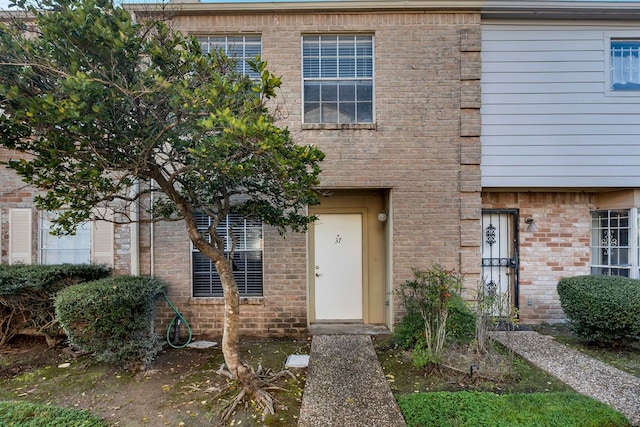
[[500, 259]]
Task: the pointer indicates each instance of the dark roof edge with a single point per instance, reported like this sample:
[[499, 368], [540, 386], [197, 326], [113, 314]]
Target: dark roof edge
[[554, 9]]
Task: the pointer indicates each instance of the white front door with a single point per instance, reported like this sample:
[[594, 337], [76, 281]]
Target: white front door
[[338, 267]]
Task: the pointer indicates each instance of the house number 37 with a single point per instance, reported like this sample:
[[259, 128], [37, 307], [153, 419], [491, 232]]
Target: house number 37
[[338, 239]]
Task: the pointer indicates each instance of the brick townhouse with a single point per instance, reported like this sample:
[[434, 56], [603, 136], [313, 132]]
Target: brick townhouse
[[392, 93]]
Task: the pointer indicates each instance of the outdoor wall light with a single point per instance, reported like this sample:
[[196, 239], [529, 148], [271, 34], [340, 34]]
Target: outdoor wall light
[[531, 224], [382, 216]]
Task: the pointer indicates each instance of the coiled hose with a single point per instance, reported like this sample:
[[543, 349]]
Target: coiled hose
[[175, 322]]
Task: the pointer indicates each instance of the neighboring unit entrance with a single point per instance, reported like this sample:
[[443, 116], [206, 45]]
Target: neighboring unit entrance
[[500, 259], [338, 267]]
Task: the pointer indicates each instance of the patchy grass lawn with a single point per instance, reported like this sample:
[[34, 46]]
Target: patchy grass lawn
[[471, 391], [492, 375], [181, 388], [624, 358]]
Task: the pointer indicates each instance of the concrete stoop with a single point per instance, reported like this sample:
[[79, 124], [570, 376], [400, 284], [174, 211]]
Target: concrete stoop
[[346, 386]]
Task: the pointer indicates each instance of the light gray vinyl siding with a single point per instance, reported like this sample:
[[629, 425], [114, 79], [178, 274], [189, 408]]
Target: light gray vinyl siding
[[548, 117]]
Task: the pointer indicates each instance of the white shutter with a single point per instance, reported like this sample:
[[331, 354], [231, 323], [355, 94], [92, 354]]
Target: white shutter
[[20, 236], [102, 239]]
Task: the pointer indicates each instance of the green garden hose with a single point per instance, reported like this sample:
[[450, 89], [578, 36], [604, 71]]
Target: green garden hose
[[179, 318]]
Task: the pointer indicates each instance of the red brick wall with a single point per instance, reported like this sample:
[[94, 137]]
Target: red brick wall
[[559, 248], [423, 148]]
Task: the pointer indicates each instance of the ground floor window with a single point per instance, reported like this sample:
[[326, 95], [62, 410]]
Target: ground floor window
[[247, 258], [72, 249], [614, 242]]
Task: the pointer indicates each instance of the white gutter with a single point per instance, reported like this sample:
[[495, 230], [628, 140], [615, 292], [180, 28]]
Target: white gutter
[[184, 7], [543, 9]]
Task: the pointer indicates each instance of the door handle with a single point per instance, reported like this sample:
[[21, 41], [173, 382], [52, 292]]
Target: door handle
[[318, 274]]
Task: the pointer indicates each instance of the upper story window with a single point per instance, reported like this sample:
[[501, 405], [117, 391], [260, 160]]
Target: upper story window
[[337, 73], [625, 64], [247, 258], [240, 48]]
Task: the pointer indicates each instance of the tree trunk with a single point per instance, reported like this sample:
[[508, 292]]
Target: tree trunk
[[242, 372]]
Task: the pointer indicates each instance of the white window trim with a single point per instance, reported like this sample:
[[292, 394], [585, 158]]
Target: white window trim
[[608, 90], [336, 126], [634, 243], [101, 238]]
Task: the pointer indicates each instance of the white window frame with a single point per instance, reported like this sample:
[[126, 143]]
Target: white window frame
[[208, 42], [74, 242], [608, 83], [244, 249], [633, 244], [337, 80]]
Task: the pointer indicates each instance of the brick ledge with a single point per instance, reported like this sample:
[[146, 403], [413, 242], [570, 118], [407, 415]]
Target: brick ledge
[[220, 301], [339, 126]]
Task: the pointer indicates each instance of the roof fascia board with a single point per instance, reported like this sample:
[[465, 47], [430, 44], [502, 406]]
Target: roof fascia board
[[185, 7]]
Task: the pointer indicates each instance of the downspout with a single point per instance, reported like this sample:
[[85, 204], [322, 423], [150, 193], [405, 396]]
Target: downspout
[[134, 227], [152, 255]]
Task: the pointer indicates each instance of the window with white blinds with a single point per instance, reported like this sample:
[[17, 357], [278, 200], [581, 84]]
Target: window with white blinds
[[337, 73], [240, 48], [625, 64], [247, 259]]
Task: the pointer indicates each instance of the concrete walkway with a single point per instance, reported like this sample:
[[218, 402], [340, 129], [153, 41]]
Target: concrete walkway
[[582, 373], [346, 386]]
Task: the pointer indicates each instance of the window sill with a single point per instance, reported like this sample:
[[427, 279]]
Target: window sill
[[220, 301], [339, 126]]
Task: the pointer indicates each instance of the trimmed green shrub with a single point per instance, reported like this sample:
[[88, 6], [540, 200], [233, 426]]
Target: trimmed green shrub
[[27, 292], [602, 309], [113, 318], [461, 324], [23, 414], [476, 409]]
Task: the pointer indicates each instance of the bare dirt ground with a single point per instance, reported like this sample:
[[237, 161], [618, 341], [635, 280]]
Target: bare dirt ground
[[181, 388]]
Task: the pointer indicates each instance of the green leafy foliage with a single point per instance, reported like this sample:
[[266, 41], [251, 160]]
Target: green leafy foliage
[[428, 297], [113, 318], [461, 323], [602, 309], [24, 414], [100, 101], [115, 111], [27, 292], [477, 409]]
